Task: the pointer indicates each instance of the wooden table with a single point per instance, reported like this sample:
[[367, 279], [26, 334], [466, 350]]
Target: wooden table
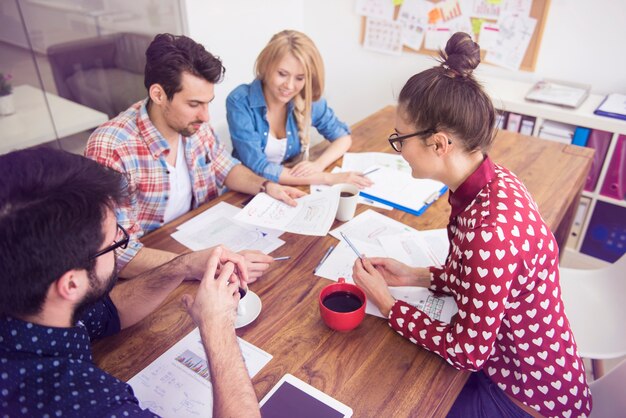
[[371, 369]]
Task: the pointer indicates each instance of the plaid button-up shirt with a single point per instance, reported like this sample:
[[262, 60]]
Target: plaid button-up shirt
[[132, 145]]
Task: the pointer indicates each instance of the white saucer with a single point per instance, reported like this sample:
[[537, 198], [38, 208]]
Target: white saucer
[[253, 309]]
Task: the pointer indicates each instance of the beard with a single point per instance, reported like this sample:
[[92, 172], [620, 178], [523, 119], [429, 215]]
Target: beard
[[98, 288]]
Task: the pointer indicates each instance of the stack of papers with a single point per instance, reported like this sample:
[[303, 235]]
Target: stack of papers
[[377, 235], [217, 226], [558, 93], [557, 131]]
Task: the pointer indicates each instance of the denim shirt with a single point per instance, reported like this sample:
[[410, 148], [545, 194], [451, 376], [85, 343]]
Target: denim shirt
[[246, 111]]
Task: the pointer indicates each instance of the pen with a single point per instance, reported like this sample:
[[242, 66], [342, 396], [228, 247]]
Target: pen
[[287, 257], [358, 254], [330, 249], [371, 171]]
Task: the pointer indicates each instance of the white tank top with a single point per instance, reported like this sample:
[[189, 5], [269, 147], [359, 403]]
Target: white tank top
[[275, 149], [179, 201]]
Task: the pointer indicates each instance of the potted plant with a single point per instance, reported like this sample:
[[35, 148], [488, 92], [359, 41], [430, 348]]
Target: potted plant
[[7, 106]]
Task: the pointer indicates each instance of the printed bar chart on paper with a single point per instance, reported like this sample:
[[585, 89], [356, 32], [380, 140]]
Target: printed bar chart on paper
[[178, 383]]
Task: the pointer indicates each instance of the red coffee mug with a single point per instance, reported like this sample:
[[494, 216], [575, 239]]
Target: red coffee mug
[[342, 321]]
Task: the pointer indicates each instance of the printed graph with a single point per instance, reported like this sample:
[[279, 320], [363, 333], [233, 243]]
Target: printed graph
[[194, 363]]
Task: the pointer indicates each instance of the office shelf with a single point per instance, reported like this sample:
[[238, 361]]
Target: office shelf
[[508, 96]]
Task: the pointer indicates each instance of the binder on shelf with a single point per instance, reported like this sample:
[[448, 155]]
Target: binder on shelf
[[613, 106], [528, 125], [513, 122], [501, 119], [581, 136], [560, 93], [579, 220], [557, 131], [600, 141], [606, 233], [615, 180]]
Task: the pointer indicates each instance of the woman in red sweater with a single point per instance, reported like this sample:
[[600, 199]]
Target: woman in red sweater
[[502, 267]]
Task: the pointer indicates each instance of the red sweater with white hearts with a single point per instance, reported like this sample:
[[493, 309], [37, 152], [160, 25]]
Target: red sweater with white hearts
[[502, 270]]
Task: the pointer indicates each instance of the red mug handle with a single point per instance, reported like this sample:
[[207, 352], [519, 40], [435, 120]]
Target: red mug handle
[[341, 280]]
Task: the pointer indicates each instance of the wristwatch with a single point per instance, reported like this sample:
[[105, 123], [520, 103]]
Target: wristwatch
[[264, 186]]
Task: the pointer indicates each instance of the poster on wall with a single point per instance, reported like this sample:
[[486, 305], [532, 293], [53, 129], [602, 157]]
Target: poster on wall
[[504, 29]]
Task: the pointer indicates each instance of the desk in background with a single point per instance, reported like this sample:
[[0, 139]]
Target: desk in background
[[371, 369], [39, 119]]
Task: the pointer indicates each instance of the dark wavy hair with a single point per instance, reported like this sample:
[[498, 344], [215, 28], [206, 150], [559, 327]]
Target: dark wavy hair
[[448, 97], [52, 208], [169, 56]]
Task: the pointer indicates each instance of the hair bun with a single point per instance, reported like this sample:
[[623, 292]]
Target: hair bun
[[462, 55]]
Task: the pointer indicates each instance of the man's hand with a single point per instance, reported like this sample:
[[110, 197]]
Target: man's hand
[[285, 194], [257, 263], [197, 262], [215, 303]]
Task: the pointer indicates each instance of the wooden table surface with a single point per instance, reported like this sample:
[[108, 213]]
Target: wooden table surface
[[371, 369]]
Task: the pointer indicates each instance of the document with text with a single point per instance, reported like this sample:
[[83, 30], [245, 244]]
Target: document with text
[[178, 383], [314, 214]]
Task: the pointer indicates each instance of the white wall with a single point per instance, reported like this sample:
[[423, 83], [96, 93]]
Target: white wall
[[583, 42], [236, 31]]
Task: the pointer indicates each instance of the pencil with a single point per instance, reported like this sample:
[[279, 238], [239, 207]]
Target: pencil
[[330, 249]]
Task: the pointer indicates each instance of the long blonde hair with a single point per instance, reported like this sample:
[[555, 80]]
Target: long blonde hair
[[305, 51]]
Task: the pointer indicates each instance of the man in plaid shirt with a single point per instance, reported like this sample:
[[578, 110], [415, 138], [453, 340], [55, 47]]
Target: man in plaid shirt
[[169, 153]]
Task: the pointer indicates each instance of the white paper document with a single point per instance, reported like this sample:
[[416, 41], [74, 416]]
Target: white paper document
[[377, 235], [414, 15], [369, 226], [513, 39], [178, 384], [439, 307], [365, 161], [383, 36], [380, 9], [418, 249], [340, 261], [216, 226], [314, 214]]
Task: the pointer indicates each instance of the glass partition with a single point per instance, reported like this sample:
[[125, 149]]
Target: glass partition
[[72, 65]]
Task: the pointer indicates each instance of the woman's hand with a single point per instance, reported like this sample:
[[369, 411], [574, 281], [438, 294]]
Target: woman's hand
[[351, 177], [396, 273], [306, 168], [373, 284]]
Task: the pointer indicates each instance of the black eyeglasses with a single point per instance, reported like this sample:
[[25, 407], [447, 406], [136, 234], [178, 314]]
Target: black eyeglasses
[[119, 243], [396, 141]]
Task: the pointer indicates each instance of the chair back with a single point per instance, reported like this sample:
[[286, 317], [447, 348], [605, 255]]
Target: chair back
[[596, 309], [608, 394]]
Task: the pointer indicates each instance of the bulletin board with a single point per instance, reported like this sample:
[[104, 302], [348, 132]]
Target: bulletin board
[[538, 11]]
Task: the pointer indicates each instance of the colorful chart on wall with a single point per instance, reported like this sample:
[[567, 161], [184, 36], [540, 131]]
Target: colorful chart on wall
[[509, 31]]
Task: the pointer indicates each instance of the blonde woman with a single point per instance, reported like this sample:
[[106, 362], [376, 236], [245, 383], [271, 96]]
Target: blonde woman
[[270, 119]]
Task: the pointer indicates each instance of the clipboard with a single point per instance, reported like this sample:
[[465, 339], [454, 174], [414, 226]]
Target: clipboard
[[613, 106], [412, 211], [401, 191]]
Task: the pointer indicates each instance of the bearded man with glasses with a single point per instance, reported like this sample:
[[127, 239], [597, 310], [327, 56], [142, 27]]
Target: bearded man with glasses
[[57, 235]]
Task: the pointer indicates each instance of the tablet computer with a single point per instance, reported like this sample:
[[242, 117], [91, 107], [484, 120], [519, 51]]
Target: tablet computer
[[291, 397]]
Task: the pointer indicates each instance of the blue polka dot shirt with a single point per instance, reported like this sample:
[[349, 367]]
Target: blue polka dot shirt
[[49, 372]]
